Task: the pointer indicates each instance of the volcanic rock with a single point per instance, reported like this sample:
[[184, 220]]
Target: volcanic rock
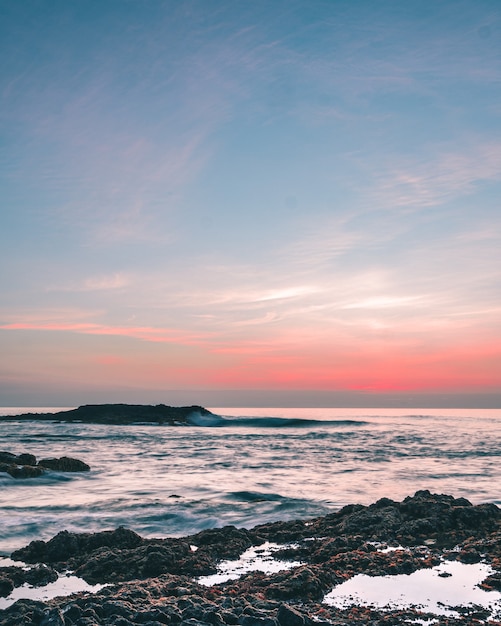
[[66, 545], [158, 585]]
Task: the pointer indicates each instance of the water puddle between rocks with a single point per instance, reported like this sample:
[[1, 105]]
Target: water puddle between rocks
[[439, 590], [65, 585], [255, 559]]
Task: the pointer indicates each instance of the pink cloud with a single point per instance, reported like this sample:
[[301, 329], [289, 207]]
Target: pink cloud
[[144, 333], [288, 360]]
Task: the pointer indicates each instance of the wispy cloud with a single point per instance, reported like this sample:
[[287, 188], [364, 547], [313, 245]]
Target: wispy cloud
[[157, 335], [384, 302], [104, 282], [443, 176]]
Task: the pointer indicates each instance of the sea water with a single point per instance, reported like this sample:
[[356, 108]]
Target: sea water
[[244, 467]]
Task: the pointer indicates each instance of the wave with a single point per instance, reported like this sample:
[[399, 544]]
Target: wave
[[213, 420], [47, 478], [254, 496]]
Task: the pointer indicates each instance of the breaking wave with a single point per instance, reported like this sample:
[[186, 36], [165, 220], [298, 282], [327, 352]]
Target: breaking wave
[[198, 419]]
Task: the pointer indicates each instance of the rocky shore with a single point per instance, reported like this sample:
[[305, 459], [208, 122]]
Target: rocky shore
[[157, 581], [118, 414]]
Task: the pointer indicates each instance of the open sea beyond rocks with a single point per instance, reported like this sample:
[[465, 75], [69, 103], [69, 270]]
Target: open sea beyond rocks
[[249, 467]]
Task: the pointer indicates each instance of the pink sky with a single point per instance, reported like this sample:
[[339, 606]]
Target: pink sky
[[94, 357]]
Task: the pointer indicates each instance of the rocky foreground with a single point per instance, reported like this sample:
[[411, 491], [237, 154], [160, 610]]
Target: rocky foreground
[[117, 414], [153, 581]]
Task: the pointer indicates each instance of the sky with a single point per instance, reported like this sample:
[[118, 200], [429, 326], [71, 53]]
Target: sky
[[244, 203]]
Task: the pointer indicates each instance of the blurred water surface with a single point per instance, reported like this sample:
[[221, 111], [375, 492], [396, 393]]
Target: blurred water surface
[[246, 467]]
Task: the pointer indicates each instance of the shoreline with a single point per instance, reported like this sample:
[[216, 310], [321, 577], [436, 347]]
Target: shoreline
[[158, 581]]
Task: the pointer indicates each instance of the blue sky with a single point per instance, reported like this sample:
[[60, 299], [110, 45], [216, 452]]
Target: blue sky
[[201, 199]]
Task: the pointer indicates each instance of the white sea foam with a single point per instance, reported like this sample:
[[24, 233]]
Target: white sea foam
[[201, 419]]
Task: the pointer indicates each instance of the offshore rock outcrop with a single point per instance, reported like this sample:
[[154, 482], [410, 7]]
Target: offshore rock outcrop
[[64, 464], [26, 466], [118, 414], [153, 581]]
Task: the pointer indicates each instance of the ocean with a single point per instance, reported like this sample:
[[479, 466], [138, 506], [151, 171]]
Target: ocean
[[246, 467]]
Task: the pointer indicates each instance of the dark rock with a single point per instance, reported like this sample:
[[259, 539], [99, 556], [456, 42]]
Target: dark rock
[[25, 465], [289, 616], [373, 522], [23, 612], [61, 547], [116, 607], [248, 620], [222, 543], [93, 610], [163, 559], [301, 583], [8, 458], [4, 467], [89, 621], [23, 471], [418, 517], [35, 576], [6, 586], [462, 502], [280, 532], [145, 561], [492, 582], [118, 414], [119, 621], [480, 516], [40, 575], [229, 617], [64, 464], [66, 545], [469, 556], [35, 552], [213, 617], [384, 503], [321, 551], [26, 459], [156, 615], [72, 613], [53, 617], [196, 608]]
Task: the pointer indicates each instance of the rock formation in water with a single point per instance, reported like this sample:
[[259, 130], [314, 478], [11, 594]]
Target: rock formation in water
[[26, 466], [118, 414]]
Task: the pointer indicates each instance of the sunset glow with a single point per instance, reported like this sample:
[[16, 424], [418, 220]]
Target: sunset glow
[[260, 197]]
